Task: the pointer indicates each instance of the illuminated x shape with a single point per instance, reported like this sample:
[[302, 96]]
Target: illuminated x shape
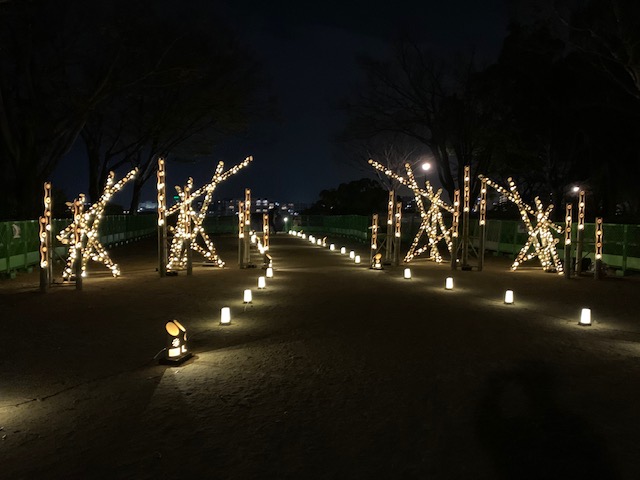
[[432, 224], [189, 224], [86, 225], [540, 237]]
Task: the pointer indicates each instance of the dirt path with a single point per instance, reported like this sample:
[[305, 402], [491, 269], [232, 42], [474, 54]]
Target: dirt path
[[334, 371]]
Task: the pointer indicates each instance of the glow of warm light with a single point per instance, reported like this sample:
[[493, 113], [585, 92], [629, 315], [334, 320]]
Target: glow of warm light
[[581, 210], [240, 219], [262, 283], [575, 189], [332, 247], [374, 232], [407, 273], [269, 272], [585, 317], [189, 225], [343, 250], [398, 226], [539, 227], [44, 233], [225, 316], [508, 297], [599, 236], [286, 219], [390, 205], [448, 283], [567, 225], [265, 231], [357, 259], [176, 339], [432, 224], [467, 189], [483, 202], [352, 254], [426, 166], [82, 234], [247, 297]]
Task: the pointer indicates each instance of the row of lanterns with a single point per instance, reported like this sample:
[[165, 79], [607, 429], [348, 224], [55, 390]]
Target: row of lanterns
[[585, 314], [177, 351]]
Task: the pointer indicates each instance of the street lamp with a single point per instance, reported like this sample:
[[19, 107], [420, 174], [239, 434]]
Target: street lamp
[[426, 166]]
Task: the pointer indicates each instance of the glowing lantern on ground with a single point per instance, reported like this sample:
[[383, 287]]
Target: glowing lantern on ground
[[352, 254], [247, 297], [176, 343], [332, 247], [448, 283], [407, 273], [357, 259], [585, 317], [262, 283], [269, 272], [225, 316], [343, 250], [508, 297]]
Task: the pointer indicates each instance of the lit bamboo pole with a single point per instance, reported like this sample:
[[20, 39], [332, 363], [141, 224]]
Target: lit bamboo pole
[[466, 208], [247, 226], [45, 240], [77, 239], [599, 237], [390, 224], [187, 231], [454, 229], [162, 218], [241, 233], [397, 237], [482, 222], [374, 237], [265, 231], [567, 242], [580, 239]]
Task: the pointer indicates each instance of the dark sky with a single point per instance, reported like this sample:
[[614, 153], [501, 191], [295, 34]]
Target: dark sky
[[308, 49]]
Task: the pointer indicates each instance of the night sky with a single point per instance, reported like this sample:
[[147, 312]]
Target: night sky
[[308, 50]]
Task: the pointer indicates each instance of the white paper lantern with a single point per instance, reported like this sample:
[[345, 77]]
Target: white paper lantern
[[352, 254], [269, 272], [508, 297], [448, 283], [332, 247], [262, 283], [407, 273], [225, 316], [247, 297], [585, 317], [357, 259], [343, 250]]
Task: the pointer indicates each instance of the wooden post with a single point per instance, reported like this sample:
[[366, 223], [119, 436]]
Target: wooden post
[[397, 237], [597, 274], [465, 218], [482, 222], [162, 219], [374, 238], [580, 239], [46, 242], [265, 231], [454, 229], [247, 227], [241, 234], [188, 232], [567, 242], [390, 240], [77, 238]]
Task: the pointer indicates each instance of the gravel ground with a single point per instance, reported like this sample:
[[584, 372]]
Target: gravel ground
[[334, 371]]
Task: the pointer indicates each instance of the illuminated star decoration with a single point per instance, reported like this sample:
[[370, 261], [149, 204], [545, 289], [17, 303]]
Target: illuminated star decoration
[[432, 224], [540, 237], [189, 223], [86, 225]]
